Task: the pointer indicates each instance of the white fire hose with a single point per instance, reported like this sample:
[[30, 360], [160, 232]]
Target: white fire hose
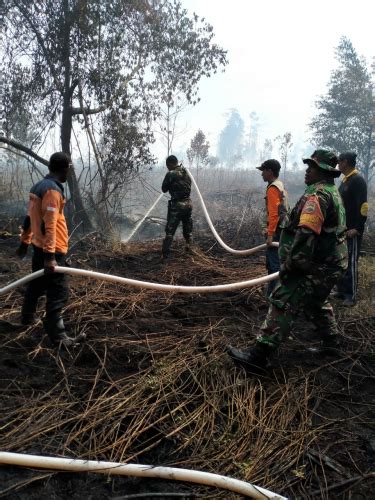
[[215, 233], [143, 284], [137, 470], [113, 468], [248, 251], [159, 286]]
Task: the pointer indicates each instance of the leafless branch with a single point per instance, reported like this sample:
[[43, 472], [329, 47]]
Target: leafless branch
[[25, 149]]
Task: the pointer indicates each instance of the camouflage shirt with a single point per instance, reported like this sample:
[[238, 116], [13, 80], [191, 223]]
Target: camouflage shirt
[[178, 183], [313, 233]]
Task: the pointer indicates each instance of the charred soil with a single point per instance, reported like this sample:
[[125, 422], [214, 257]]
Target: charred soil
[[152, 384]]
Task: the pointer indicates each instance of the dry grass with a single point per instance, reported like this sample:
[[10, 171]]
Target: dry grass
[[153, 385]]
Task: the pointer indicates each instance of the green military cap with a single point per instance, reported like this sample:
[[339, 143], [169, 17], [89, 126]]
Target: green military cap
[[324, 159]]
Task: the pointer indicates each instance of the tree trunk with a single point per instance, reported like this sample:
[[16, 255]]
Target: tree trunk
[[366, 169], [80, 214]]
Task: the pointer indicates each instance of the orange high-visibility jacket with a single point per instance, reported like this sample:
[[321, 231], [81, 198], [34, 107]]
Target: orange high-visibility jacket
[[276, 205], [45, 224]]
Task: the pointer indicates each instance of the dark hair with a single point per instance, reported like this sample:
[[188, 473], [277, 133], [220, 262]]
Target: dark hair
[[171, 160], [350, 157], [59, 161], [272, 165]]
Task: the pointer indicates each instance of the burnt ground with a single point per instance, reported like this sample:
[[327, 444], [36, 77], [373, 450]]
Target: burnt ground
[[153, 385]]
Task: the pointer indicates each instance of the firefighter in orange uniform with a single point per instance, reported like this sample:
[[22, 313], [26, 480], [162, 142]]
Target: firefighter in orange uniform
[[45, 229]]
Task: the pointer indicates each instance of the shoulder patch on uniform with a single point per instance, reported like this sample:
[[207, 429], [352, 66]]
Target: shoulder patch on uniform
[[364, 209], [311, 215]]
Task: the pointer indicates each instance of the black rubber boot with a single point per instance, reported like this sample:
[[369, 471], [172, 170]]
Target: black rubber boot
[[329, 346], [56, 332], [254, 359], [188, 245], [28, 311], [167, 243], [28, 319]]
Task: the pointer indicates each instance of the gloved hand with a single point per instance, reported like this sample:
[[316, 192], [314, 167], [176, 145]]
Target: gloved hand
[[49, 265], [22, 250]]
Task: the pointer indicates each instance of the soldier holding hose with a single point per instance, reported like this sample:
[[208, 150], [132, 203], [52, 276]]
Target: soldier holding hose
[[178, 183]]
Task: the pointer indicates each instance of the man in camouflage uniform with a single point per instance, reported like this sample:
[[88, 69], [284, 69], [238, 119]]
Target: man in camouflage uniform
[[178, 183], [313, 256]]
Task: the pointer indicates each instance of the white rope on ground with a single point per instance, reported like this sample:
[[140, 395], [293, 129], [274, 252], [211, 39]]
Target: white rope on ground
[[215, 233], [143, 284], [138, 470]]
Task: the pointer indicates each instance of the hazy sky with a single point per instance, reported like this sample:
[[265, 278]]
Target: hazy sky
[[281, 54]]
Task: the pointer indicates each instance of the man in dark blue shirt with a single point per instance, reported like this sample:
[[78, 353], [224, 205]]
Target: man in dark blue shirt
[[353, 190]]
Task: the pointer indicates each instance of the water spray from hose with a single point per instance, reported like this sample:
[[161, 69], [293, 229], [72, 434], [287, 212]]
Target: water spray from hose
[[126, 240]]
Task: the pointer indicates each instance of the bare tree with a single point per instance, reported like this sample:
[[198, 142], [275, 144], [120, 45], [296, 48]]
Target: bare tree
[[167, 123], [285, 146], [116, 60], [198, 152], [266, 151]]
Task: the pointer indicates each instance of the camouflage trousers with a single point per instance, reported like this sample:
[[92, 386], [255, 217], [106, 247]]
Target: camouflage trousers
[[297, 293], [178, 211]]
